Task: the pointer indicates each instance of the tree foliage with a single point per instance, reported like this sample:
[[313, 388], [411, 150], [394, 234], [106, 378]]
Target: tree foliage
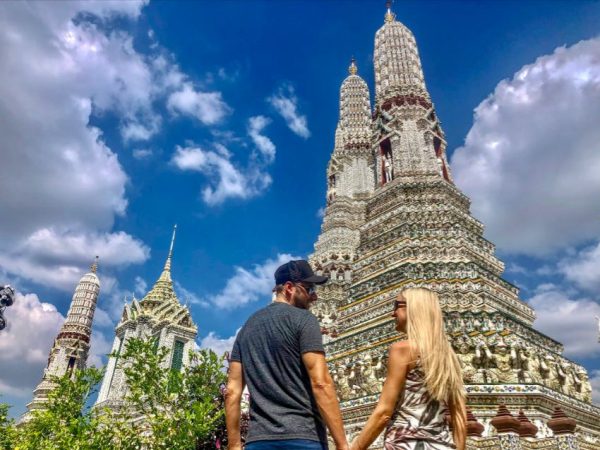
[[180, 408], [163, 408], [7, 429], [67, 421]]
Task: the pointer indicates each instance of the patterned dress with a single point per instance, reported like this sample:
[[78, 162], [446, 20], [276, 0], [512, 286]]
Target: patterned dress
[[418, 422]]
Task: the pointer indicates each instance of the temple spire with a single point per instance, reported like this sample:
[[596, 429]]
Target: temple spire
[[389, 15], [352, 70], [166, 273], [94, 266]]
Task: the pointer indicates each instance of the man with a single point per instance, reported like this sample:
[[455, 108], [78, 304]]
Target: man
[[279, 354]]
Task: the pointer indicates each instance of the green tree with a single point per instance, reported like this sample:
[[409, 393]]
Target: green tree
[[8, 432], [163, 409], [173, 409], [67, 421]]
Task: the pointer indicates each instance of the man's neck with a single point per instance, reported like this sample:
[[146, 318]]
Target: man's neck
[[282, 299]]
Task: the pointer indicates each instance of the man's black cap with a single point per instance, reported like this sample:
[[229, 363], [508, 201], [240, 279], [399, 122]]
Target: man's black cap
[[297, 271]]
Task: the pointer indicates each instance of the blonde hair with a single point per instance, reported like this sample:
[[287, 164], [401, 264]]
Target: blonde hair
[[443, 374]]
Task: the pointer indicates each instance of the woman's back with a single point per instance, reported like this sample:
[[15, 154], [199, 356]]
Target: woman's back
[[419, 421]]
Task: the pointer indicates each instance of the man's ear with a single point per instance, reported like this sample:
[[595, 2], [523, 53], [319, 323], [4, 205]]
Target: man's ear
[[288, 286]]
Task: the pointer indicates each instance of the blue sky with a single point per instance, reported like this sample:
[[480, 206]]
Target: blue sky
[[120, 119]]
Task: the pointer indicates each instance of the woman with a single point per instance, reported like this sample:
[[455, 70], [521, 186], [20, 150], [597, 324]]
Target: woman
[[423, 384]]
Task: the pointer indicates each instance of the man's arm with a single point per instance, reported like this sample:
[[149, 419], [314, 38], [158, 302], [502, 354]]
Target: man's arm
[[235, 388], [325, 396]]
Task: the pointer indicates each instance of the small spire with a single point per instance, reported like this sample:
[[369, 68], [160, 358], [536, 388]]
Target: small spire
[[389, 15], [166, 275], [352, 69], [94, 266]]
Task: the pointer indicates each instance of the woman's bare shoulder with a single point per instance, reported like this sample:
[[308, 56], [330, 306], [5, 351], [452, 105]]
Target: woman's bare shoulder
[[402, 350]]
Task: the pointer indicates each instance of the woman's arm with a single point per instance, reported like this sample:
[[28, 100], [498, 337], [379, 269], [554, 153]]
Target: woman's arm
[[398, 367]]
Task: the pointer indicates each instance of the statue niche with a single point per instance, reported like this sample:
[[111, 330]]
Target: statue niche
[[387, 161], [331, 188]]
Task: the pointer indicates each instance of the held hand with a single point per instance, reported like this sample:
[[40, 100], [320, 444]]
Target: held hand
[[342, 445], [354, 445]]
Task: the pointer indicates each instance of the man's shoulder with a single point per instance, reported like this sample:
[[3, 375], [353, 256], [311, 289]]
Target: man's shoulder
[[299, 315], [281, 311]]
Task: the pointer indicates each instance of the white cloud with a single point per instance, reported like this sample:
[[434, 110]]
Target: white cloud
[[285, 103], [59, 259], [321, 212], [568, 321], [265, 145], [583, 268], [208, 107], [218, 345], [26, 342], [250, 285], [66, 186], [516, 268], [141, 287], [187, 296], [530, 162], [100, 346], [102, 318], [142, 153], [225, 180]]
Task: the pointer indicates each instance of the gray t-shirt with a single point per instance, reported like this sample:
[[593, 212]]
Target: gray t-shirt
[[270, 347]]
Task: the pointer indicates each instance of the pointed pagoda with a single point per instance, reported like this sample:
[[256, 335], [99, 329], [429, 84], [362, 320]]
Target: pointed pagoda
[[350, 182], [395, 219], [160, 315], [72, 344]]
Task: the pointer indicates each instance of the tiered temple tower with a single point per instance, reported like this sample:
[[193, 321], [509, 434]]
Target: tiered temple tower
[[350, 182], [159, 314], [394, 219], [72, 344]]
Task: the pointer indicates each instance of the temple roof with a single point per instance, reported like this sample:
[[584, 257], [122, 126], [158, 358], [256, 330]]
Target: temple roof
[[161, 302]]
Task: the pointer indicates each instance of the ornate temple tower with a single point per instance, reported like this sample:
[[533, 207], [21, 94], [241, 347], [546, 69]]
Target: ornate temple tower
[[72, 344], [350, 183], [413, 228], [159, 314]]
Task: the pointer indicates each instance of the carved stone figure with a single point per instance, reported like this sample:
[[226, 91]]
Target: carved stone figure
[[544, 369], [505, 364], [577, 382], [483, 361], [562, 369], [586, 388], [527, 369], [551, 378], [388, 170], [352, 380], [341, 382], [440, 166], [371, 383], [465, 358]]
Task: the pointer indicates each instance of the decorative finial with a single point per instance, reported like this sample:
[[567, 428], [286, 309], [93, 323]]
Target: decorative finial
[[172, 241], [352, 69], [167, 269], [389, 15], [94, 266]]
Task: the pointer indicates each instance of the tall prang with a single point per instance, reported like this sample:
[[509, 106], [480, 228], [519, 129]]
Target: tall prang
[[72, 344], [160, 315], [350, 182], [394, 219]]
